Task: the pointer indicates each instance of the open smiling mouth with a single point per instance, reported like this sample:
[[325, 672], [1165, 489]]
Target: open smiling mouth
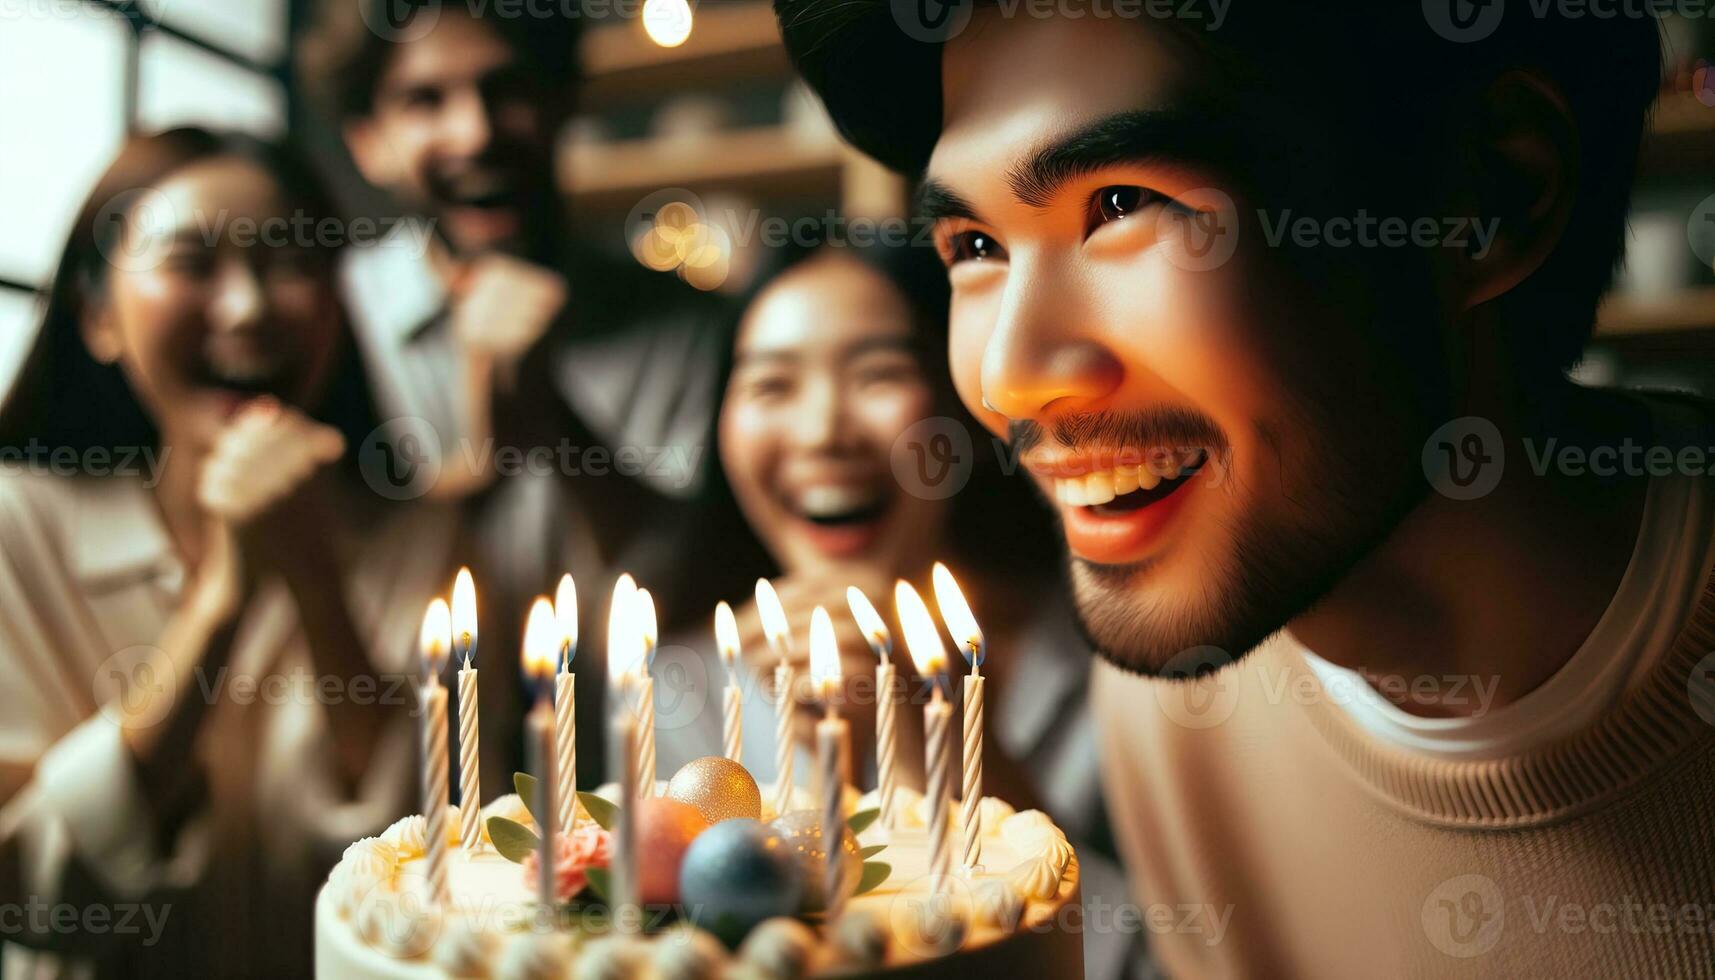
[[1126, 487], [839, 520], [1117, 515]]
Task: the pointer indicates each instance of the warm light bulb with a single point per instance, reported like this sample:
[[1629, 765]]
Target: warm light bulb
[[726, 634], [824, 654], [921, 636], [436, 636], [956, 613], [566, 617], [667, 22], [773, 617], [464, 613], [874, 628]]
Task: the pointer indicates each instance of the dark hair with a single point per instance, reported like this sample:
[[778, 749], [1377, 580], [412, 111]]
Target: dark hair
[[348, 47], [1387, 84], [998, 520], [63, 396]]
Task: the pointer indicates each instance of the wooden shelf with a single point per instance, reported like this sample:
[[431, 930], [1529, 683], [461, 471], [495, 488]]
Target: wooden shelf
[[1688, 311], [1681, 140], [764, 160], [731, 40]]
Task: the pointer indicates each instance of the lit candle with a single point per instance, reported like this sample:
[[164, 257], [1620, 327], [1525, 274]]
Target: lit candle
[[541, 646], [832, 737], [930, 656], [780, 641], [470, 730], [645, 631], [622, 651], [726, 640], [968, 637], [436, 638], [886, 736], [565, 703]]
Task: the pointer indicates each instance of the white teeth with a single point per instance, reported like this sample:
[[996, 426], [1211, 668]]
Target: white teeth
[[1095, 489], [1125, 480], [1098, 488], [831, 500]]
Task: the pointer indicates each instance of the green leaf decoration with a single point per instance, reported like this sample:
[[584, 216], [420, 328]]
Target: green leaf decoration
[[871, 851], [599, 809], [525, 785], [512, 839], [874, 873], [601, 882], [862, 819]]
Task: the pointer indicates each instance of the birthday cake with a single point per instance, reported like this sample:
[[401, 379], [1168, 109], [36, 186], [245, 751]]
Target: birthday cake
[[727, 888]]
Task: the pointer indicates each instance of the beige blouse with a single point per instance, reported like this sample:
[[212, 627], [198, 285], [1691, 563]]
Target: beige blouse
[[89, 884]]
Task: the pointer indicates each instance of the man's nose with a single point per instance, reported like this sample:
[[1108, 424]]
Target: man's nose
[[467, 124], [1042, 359]]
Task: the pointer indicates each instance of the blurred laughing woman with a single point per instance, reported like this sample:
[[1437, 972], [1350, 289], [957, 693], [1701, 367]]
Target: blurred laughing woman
[[208, 621]]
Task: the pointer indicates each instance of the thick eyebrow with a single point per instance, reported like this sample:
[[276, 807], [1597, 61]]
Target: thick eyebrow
[[935, 200], [1201, 136]]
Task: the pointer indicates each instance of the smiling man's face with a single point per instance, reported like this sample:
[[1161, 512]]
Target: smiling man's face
[[1220, 432]]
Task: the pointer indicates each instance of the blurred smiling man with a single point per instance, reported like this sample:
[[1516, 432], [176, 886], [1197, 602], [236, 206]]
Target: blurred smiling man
[[1278, 318]]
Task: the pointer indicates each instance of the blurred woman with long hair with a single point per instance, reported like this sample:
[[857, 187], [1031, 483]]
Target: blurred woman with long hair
[[209, 619]]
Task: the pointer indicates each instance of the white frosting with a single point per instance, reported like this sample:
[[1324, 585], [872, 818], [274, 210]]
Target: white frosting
[[403, 924], [994, 811], [508, 806], [466, 952], [1022, 827], [372, 911], [1036, 878], [534, 956], [997, 904], [409, 835]]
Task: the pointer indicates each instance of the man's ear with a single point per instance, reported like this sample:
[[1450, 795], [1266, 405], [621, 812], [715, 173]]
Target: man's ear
[[370, 150], [1521, 184]]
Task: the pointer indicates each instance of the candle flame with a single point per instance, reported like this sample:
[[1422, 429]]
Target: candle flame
[[824, 653], [621, 642], [566, 618], [921, 636], [541, 640], [647, 634], [463, 628], [436, 636], [874, 628], [726, 634], [956, 613], [773, 617]]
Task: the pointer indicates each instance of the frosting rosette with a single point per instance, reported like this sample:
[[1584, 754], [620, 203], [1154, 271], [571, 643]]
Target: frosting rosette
[[587, 847]]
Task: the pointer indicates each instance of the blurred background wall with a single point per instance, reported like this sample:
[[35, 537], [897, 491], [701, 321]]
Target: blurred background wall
[[713, 113]]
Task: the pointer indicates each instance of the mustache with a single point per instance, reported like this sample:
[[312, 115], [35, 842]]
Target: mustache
[[1172, 427]]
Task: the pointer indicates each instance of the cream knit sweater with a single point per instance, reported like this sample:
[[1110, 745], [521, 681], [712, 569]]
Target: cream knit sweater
[[1268, 836]]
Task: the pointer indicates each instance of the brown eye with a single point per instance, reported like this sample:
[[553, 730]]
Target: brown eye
[[973, 245], [1121, 200]]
